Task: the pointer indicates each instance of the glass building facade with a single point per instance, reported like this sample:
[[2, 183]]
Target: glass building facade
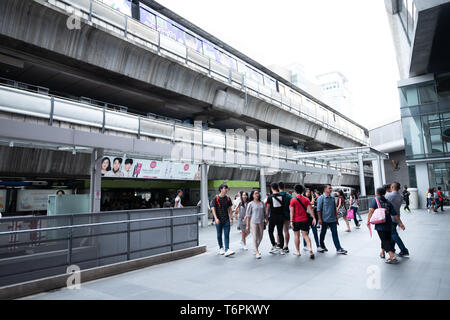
[[425, 111]]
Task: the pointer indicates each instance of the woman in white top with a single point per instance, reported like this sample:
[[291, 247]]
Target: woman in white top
[[241, 209], [256, 220]]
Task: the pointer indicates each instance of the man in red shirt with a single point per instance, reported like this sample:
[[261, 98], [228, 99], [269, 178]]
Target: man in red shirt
[[300, 220]]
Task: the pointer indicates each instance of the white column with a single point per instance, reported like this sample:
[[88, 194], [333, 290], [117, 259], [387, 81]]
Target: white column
[[204, 193], [362, 182], [96, 180], [377, 179], [383, 174], [262, 183], [423, 183]]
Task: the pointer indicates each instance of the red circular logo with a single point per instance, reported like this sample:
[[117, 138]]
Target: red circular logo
[[153, 164], [186, 167]]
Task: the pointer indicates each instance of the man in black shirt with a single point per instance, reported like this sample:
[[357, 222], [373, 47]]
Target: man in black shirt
[[221, 208], [275, 205]]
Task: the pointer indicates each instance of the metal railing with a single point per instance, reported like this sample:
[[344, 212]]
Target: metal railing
[[52, 243], [18, 99], [100, 14]]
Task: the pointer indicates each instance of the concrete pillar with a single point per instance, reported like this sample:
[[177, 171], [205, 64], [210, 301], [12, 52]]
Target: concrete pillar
[[377, 178], [262, 183], [362, 182], [302, 178], [383, 173], [204, 193], [96, 180], [423, 183]]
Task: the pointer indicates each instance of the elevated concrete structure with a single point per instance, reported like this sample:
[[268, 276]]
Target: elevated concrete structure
[[61, 58]]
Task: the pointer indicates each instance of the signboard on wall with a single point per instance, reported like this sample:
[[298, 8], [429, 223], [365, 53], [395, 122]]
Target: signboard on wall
[[118, 167], [35, 199], [2, 200]]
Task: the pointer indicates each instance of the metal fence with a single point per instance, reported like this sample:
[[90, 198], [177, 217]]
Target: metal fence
[[41, 246]]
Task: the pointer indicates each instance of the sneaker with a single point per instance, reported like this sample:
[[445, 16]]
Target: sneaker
[[274, 250], [258, 256], [282, 252], [320, 249], [221, 251], [403, 254], [305, 249], [358, 226], [245, 248], [229, 253], [286, 250], [341, 251]]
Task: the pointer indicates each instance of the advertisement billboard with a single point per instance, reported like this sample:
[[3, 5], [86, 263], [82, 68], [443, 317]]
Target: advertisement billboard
[[118, 167], [35, 199], [2, 200]]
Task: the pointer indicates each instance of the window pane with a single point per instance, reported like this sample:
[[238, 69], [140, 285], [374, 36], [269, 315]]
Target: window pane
[[412, 132], [411, 96], [427, 94]]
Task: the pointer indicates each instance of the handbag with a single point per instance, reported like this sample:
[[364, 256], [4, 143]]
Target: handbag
[[379, 215], [350, 214]]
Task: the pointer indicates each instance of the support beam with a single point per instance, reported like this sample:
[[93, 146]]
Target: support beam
[[362, 182], [377, 178], [383, 173], [302, 178], [204, 193], [96, 180], [262, 183]]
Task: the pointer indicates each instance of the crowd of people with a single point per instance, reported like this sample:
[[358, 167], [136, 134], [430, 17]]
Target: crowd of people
[[435, 200], [305, 210]]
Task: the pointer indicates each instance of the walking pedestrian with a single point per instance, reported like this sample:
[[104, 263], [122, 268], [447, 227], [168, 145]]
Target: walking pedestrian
[[287, 216], [406, 195], [354, 204], [256, 220], [328, 217], [299, 208], [437, 202], [310, 197], [441, 199], [342, 209], [275, 204], [396, 200], [429, 196], [241, 214], [177, 203], [314, 205], [384, 230], [221, 208], [431, 201]]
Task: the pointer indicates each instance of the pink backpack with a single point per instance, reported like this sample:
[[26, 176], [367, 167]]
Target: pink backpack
[[379, 215]]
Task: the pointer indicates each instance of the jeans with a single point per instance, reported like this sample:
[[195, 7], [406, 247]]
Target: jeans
[[396, 239], [225, 226], [278, 221], [407, 204], [316, 237], [355, 213], [334, 233]]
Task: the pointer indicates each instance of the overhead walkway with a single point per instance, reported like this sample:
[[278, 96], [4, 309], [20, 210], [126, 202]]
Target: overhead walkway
[[348, 155], [39, 120]]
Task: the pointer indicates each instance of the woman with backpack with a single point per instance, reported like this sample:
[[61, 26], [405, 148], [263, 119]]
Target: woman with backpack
[[382, 211], [240, 212]]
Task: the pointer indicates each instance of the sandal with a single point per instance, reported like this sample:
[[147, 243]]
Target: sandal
[[391, 261], [382, 256]]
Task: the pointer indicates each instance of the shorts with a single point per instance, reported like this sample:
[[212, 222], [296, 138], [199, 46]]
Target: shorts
[[303, 226]]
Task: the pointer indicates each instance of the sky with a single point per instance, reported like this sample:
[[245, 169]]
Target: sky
[[350, 36]]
